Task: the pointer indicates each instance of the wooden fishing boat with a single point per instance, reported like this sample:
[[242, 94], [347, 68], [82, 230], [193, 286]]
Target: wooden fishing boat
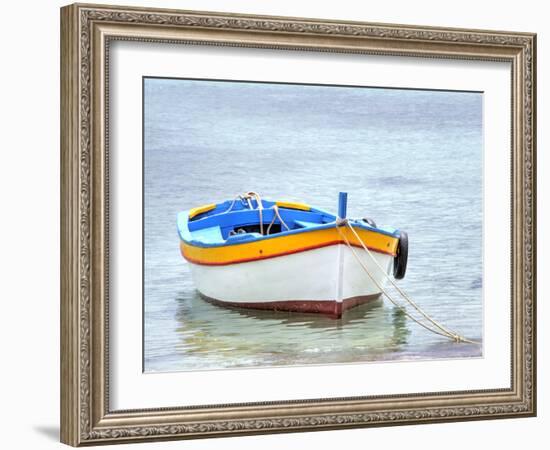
[[255, 253]]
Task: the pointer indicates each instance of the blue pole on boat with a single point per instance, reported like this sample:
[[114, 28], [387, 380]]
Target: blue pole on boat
[[342, 204]]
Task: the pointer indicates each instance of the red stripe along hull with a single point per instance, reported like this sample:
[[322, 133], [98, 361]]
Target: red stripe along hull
[[330, 308]]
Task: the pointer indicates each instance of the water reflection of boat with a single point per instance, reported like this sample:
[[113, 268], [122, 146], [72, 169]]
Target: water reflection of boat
[[213, 337], [287, 256]]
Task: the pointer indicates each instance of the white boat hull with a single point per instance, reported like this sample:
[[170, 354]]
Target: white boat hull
[[324, 280]]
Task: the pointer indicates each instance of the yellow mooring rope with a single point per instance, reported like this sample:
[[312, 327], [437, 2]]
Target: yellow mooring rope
[[439, 328]]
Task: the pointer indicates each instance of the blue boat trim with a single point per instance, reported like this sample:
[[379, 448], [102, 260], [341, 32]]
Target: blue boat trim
[[211, 228]]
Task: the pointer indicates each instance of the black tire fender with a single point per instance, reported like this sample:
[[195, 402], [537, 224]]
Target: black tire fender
[[400, 260]]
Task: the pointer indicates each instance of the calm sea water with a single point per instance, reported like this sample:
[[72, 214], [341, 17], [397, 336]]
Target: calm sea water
[[409, 159]]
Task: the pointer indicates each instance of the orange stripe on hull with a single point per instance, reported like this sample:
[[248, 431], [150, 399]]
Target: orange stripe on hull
[[285, 245], [275, 255]]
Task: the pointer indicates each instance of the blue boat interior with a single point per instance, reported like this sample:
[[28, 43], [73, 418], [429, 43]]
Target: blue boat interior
[[233, 222]]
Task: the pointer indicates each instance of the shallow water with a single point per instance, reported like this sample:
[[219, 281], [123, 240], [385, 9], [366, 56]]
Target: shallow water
[[408, 159]]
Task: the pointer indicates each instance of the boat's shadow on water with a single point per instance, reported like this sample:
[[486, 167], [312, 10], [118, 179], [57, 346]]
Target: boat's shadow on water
[[237, 337]]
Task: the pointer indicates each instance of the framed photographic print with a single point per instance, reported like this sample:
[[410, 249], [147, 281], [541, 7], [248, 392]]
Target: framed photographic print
[[276, 224]]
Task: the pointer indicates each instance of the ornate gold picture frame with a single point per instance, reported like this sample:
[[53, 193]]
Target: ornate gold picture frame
[[87, 31]]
